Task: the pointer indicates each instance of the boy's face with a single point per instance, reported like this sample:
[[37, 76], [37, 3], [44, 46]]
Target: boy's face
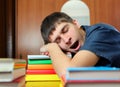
[[67, 36]]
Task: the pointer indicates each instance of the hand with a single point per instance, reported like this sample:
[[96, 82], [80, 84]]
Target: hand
[[46, 49], [43, 50]]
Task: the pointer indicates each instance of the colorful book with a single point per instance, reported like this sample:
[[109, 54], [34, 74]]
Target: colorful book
[[19, 82], [42, 77], [93, 83], [39, 61], [19, 61], [40, 66], [38, 57], [41, 71], [19, 66], [43, 84], [10, 76], [93, 73]]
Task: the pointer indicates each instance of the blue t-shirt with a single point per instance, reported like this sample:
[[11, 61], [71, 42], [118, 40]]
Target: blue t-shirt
[[104, 41]]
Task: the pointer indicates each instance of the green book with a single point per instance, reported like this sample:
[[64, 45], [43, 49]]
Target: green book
[[39, 61]]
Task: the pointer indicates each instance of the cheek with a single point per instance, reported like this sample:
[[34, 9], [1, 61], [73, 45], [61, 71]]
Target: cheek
[[72, 33], [62, 46]]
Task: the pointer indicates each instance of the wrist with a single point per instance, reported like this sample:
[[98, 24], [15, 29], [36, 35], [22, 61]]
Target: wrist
[[52, 46]]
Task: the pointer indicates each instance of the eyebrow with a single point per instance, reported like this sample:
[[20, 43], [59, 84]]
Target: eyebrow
[[60, 32]]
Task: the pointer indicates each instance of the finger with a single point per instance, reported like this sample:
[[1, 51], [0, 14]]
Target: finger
[[42, 49]]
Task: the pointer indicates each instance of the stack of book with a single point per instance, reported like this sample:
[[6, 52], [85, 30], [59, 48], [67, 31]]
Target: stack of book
[[40, 72], [12, 72], [92, 77]]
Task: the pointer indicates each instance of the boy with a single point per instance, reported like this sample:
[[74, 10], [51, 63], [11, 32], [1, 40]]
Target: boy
[[96, 45]]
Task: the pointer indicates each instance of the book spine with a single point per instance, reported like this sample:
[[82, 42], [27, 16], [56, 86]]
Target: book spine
[[42, 77], [40, 66], [43, 84], [92, 68], [39, 61], [46, 71], [38, 57]]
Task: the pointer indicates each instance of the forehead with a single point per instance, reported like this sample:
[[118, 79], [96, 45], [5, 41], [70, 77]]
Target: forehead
[[56, 31]]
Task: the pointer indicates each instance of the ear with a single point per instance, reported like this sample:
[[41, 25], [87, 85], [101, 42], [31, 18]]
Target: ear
[[76, 23]]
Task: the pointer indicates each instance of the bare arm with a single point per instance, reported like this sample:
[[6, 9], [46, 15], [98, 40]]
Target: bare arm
[[61, 61]]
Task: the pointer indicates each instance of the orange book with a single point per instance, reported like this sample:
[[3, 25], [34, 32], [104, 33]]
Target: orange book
[[22, 64], [40, 66]]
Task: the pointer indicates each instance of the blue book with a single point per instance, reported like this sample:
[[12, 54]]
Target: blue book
[[93, 73]]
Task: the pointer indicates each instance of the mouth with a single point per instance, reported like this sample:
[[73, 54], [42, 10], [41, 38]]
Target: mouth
[[75, 46]]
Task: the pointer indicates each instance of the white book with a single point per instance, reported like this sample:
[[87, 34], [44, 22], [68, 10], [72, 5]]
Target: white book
[[38, 57], [10, 76], [19, 82], [6, 64]]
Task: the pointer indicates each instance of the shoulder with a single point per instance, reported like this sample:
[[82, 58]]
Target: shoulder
[[100, 30], [99, 26]]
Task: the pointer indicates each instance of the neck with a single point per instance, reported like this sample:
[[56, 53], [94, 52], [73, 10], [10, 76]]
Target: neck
[[82, 33]]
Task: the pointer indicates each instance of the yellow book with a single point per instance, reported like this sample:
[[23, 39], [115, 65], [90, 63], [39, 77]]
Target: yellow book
[[42, 77], [43, 84]]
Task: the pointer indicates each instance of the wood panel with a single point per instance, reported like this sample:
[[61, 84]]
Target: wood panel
[[2, 29], [10, 28], [104, 11], [7, 28], [108, 11]]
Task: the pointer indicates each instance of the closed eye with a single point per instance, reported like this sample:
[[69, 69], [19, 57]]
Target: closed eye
[[65, 29], [58, 40]]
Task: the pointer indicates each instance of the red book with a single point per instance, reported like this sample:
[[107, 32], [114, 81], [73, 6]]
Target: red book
[[92, 83], [42, 71]]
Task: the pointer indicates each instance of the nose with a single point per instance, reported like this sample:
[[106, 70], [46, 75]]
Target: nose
[[66, 39]]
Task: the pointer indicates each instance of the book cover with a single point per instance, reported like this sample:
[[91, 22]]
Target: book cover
[[38, 57], [42, 77], [92, 83], [39, 61], [10, 76], [43, 84], [41, 71], [18, 82], [40, 66], [93, 73]]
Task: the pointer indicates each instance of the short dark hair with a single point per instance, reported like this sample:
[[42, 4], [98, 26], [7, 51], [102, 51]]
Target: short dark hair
[[49, 23]]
